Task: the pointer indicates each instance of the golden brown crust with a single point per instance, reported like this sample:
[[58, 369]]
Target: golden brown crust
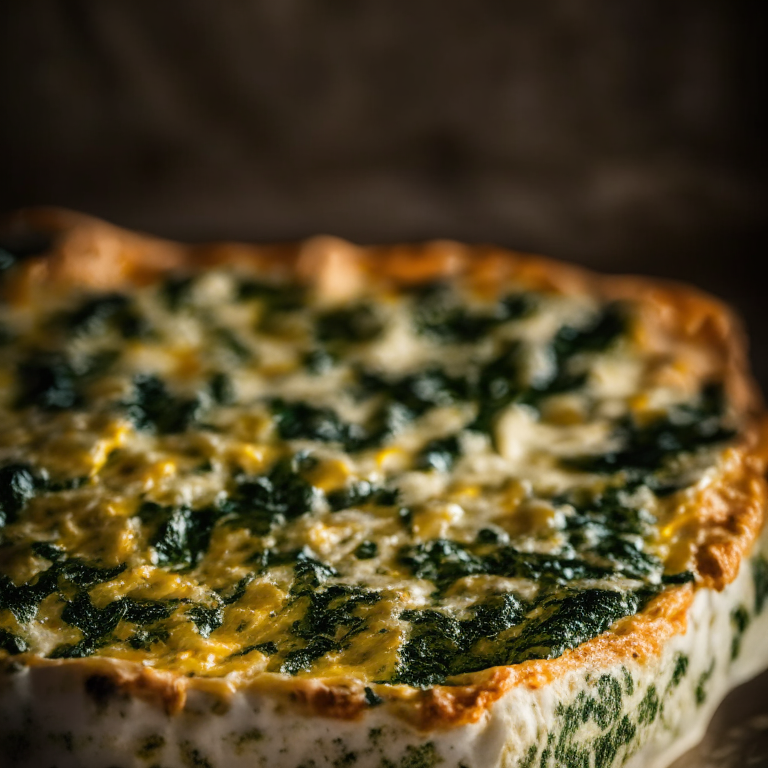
[[730, 513]]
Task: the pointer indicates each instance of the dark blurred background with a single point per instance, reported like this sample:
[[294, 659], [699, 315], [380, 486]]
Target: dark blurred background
[[628, 136]]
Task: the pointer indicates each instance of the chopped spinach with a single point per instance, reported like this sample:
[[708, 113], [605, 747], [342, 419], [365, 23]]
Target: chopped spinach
[[97, 623], [439, 312], [567, 622], [298, 420], [152, 407], [330, 620], [232, 595], [498, 386], [439, 454], [604, 329], [349, 324], [646, 448], [310, 573], [230, 339], [182, 536], [418, 392], [109, 309], [279, 298], [443, 562], [366, 550], [17, 487], [439, 645], [47, 380], [144, 639], [760, 576], [206, 619], [300, 659], [359, 493], [269, 500], [222, 389], [48, 551], [23, 600], [177, 291], [12, 644], [268, 649]]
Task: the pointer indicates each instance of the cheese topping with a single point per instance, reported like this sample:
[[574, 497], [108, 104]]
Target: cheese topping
[[219, 476]]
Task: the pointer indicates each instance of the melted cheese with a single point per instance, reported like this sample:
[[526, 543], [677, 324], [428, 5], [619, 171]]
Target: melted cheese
[[157, 428]]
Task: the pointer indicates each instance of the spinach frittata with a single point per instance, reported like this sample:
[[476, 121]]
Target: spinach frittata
[[225, 472]]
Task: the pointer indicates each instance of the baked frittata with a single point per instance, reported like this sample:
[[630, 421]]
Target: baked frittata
[[318, 505]]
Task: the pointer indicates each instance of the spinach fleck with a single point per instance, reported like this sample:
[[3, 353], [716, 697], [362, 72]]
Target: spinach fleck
[[349, 324], [12, 644], [17, 487], [298, 420], [182, 535], [268, 500], [206, 619], [153, 408], [439, 454]]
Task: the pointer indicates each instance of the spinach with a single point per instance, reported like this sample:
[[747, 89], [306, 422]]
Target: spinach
[[144, 639], [230, 596], [12, 644], [443, 562], [300, 420], [177, 291], [438, 312], [606, 327], [268, 649], [359, 493], [329, 621], [319, 361], [439, 454], [269, 500], [47, 380], [439, 645], [96, 313], [647, 448], [153, 408], [310, 573], [221, 388], [366, 550], [277, 297], [498, 386], [206, 619], [302, 658], [349, 324], [183, 534], [229, 339], [97, 623], [418, 392], [17, 487], [566, 622], [23, 600], [48, 551], [627, 558], [569, 342], [547, 569], [435, 640], [760, 577]]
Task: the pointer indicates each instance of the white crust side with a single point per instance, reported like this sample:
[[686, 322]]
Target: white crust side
[[55, 716]]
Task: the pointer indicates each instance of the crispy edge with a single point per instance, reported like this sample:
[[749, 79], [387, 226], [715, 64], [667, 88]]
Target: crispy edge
[[91, 253]]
